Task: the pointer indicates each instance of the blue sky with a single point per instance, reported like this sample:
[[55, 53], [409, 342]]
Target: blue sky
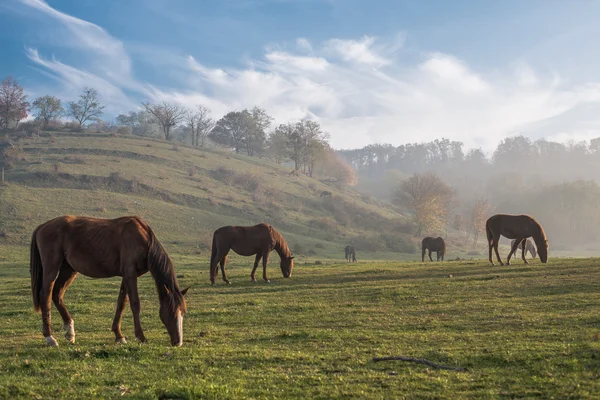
[[369, 71]]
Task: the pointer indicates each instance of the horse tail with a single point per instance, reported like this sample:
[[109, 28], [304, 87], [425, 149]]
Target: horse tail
[[488, 233], [36, 271], [161, 268]]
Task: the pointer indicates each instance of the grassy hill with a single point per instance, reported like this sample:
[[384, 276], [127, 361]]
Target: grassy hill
[[186, 193]]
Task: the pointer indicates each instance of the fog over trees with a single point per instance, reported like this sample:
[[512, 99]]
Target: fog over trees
[[442, 187]]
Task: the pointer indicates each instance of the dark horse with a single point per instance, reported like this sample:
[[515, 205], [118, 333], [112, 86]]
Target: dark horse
[[518, 227], [247, 241], [102, 248], [326, 193], [350, 254], [433, 244], [530, 247]]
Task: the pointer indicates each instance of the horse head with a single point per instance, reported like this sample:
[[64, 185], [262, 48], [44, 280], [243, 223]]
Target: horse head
[[543, 251], [172, 310], [287, 264]]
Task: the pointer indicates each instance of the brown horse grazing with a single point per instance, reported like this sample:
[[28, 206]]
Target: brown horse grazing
[[433, 244], [530, 247], [294, 173], [518, 227], [350, 254], [102, 248], [326, 193], [247, 241]]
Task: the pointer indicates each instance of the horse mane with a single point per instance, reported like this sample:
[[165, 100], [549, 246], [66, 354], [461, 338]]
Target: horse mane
[[163, 272], [539, 241], [281, 245]]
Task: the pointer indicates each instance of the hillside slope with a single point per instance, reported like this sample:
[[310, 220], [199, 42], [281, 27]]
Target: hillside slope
[[186, 193]]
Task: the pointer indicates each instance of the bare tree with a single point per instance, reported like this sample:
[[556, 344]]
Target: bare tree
[[87, 108], [428, 198], [167, 115], [48, 108], [200, 124], [13, 103]]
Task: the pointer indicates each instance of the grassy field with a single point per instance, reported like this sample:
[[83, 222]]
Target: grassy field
[[521, 332]]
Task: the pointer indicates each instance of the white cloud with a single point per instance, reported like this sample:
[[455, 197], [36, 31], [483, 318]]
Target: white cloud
[[359, 51], [356, 89]]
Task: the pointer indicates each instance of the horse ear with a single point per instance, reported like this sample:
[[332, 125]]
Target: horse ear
[[291, 257], [167, 290], [184, 291]]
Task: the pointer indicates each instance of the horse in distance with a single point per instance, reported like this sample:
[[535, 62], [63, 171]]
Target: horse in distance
[[518, 227], [257, 240], [529, 247], [102, 248], [326, 193], [350, 254], [433, 244]]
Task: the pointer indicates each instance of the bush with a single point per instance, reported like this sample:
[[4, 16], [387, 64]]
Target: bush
[[124, 130]]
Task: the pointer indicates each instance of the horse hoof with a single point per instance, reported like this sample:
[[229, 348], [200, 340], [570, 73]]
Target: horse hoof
[[51, 342], [70, 338], [142, 339], [120, 341], [229, 283], [253, 281], [267, 281]]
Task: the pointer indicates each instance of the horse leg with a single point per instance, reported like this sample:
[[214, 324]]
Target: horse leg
[[134, 300], [496, 242], [51, 270], [437, 253], [423, 250], [66, 276], [121, 303], [524, 251], [223, 262], [513, 249], [214, 267], [265, 261], [256, 261], [490, 245], [430, 259]]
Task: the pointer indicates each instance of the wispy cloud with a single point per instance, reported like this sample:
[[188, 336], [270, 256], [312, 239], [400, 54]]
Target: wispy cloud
[[356, 88]]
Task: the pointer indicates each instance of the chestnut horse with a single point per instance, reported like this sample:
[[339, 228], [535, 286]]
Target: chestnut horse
[[530, 247], [433, 244], [247, 241], [102, 248], [518, 227], [350, 254]]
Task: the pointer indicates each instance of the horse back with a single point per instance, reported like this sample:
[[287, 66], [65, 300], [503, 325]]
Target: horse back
[[95, 247], [246, 240]]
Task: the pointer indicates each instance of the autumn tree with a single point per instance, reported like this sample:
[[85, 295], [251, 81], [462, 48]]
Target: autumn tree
[[13, 103], [478, 211], [428, 199], [87, 108], [48, 108], [277, 146], [200, 124], [166, 115], [331, 165]]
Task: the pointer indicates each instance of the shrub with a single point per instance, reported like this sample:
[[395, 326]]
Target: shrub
[[124, 130]]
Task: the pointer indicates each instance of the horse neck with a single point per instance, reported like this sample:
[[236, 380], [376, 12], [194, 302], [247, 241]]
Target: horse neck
[[539, 236], [282, 249]]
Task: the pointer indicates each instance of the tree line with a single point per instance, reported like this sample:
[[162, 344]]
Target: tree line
[[304, 144]]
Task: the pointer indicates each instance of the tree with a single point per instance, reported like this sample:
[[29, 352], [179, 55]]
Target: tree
[[243, 130], [306, 143], [87, 108], [200, 124], [48, 108], [478, 212], [141, 122], [333, 166], [428, 199], [167, 115], [13, 103], [277, 146]]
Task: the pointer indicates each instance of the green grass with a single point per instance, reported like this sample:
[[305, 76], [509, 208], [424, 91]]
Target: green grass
[[521, 332]]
